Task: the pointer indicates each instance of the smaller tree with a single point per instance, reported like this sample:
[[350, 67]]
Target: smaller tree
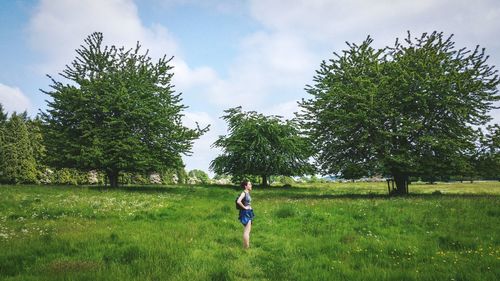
[[488, 160], [3, 115], [262, 146], [18, 163], [37, 145], [182, 176], [200, 175], [3, 121]]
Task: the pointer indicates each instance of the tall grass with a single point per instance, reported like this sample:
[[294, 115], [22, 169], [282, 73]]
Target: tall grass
[[349, 231]]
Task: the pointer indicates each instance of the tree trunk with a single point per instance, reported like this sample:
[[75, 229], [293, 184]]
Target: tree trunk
[[113, 178], [401, 184], [264, 180]]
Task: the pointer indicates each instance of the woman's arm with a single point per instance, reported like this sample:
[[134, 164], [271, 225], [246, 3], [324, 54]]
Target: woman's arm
[[242, 195]]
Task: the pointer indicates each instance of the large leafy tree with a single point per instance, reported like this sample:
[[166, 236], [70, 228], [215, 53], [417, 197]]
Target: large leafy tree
[[118, 112], [262, 146], [402, 110]]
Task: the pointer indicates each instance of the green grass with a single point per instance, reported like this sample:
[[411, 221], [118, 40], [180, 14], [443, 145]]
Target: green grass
[[348, 231]]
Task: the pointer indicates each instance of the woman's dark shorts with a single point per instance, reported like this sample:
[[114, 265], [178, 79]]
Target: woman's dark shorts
[[246, 216]]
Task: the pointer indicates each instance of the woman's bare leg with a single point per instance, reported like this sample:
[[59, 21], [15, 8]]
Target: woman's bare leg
[[246, 235]]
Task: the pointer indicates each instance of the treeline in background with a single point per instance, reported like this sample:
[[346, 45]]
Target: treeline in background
[[23, 154]]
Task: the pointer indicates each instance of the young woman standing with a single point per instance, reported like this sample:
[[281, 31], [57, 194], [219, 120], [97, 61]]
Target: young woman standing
[[246, 212]]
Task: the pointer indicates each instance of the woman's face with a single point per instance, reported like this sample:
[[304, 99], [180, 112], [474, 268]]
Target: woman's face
[[248, 186]]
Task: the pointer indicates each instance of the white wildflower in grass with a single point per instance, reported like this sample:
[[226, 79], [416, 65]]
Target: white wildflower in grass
[[174, 222]]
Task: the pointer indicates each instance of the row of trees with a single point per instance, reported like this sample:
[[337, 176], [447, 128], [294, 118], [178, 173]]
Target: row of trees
[[23, 159], [258, 147], [403, 111]]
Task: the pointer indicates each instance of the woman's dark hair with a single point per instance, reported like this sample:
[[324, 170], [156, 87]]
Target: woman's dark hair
[[244, 183]]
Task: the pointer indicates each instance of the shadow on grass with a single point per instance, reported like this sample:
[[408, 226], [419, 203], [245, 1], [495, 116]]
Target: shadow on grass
[[294, 193], [388, 197]]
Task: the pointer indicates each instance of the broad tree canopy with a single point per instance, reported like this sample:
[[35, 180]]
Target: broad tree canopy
[[118, 112], [261, 145], [402, 110]]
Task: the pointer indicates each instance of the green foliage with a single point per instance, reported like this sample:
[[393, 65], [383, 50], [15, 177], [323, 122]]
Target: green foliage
[[488, 158], [23, 154], [285, 180], [200, 176], [182, 176], [37, 145], [18, 160], [169, 176], [3, 116], [3, 121], [118, 113], [66, 176], [353, 171], [261, 146], [402, 110], [237, 179]]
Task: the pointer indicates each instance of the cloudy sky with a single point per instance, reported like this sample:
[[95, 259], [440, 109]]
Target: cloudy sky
[[256, 53]]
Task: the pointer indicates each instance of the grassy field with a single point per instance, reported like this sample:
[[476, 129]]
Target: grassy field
[[348, 231]]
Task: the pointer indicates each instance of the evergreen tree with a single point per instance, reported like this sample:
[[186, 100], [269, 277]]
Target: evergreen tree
[[19, 165], [488, 159], [3, 116], [182, 176], [3, 121], [37, 145]]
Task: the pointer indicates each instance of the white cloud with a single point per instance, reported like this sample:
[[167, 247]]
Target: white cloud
[[58, 27], [327, 19], [186, 78], [286, 110], [13, 99], [224, 6], [495, 114], [269, 67], [202, 118]]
